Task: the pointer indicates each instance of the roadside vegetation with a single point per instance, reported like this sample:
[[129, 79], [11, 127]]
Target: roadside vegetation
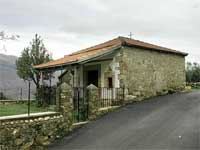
[[196, 87], [34, 54], [19, 108], [193, 75]]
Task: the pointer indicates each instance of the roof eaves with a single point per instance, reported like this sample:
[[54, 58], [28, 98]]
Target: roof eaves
[[55, 66], [78, 61]]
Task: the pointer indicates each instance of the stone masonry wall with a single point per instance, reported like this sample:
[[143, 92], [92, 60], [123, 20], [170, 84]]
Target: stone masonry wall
[[31, 133], [37, 132], [148, 73], [93, 101]]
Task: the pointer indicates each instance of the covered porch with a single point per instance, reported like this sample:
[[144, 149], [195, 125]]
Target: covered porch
[[102, 69]]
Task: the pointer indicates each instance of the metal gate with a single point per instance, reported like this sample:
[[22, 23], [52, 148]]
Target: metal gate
[[107, 97], [80, 104]]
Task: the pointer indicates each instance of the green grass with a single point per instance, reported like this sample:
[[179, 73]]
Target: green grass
[[16, 109], [196, 87]]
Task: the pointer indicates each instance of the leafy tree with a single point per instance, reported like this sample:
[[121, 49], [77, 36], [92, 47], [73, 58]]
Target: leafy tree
[[189, 72], [35, 54], [193, 72], [196, 72]]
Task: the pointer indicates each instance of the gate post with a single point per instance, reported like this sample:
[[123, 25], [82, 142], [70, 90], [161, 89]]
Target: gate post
[[66, 104], [93, 103]]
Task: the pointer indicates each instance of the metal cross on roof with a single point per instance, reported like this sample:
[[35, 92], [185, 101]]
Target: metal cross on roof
[[130, 35]]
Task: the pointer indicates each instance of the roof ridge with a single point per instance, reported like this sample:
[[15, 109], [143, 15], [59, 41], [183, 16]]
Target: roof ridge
[[145, 42], [158, 47], [121, 38]]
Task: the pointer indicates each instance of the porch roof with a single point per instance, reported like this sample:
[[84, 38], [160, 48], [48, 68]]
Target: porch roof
[[102, 49]]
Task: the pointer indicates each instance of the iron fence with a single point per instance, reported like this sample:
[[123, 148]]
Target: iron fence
[[80, 104], [16, 93], [24, 102], [47, 95], [110, 97], [106, 97]]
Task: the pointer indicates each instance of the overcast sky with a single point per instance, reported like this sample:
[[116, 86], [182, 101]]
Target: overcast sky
[[70, 25]]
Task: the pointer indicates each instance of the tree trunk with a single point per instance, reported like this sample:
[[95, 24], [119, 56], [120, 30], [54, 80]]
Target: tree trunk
[[38, 94]]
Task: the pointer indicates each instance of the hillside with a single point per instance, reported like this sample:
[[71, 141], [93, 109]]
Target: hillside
[[10, 83]]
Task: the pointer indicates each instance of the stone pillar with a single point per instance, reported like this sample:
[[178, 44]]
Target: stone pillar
[[93, 101], [66, 104]]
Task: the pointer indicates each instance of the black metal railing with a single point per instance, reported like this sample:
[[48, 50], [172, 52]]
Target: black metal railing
[[47, 95], [110, 97], [107, 97], [80, 103]]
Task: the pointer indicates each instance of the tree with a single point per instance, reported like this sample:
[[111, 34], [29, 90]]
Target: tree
[[189, 72], [33, 55], [193, 72], [196, 72]]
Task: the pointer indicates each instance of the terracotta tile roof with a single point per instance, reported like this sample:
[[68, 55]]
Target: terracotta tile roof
[[106, 46]]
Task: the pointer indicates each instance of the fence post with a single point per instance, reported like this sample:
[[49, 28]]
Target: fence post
[[66, 103], [123, 101], [20, 93], [29, 90], [93, 103]]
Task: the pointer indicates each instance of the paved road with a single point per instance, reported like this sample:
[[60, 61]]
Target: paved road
[[167, 122]]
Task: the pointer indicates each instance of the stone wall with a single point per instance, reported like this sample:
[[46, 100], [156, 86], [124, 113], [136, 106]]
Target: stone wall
[[93, 100], [148, 73], [31, 133], [37, 132], [66, 104]]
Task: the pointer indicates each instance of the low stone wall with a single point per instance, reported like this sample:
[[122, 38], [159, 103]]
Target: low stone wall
[[32, 133], [37, 131], [14, 101]]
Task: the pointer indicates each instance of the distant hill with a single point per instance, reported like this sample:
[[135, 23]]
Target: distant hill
[[10, 83]]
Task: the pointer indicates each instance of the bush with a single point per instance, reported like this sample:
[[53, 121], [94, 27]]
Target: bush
[[46, 95], [2, 96], [192, 72]]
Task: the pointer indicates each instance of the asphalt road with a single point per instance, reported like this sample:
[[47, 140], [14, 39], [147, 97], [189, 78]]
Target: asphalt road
[[166, 122]]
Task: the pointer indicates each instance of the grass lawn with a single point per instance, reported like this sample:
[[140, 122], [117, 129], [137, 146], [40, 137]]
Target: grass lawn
[[16, 109], [196, 87]]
